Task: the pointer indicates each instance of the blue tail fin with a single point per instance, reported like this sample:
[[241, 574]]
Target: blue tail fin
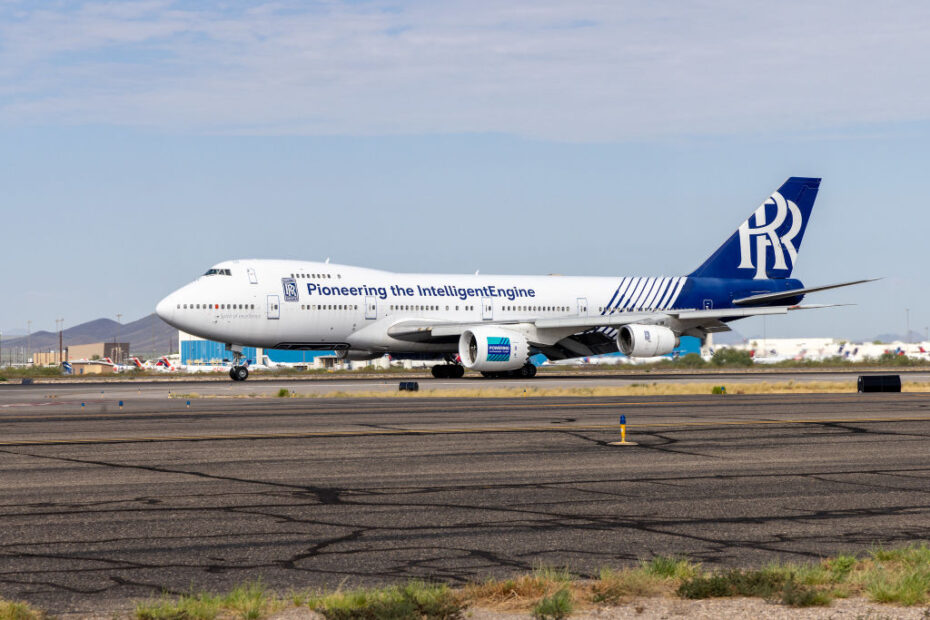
[[766, 245]]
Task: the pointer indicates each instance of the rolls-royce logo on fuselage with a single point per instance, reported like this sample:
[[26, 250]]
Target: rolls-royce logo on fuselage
[[290, 289]]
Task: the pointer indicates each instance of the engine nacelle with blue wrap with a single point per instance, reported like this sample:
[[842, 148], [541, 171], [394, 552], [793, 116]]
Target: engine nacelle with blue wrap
[[489, 349]]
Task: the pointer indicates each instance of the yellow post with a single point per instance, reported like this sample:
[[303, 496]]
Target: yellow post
[[623, 441]]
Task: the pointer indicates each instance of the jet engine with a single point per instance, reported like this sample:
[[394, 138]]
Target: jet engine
[[489, 349], [638, 340]]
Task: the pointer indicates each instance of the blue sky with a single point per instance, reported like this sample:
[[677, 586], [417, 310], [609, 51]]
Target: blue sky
[[141, 142]]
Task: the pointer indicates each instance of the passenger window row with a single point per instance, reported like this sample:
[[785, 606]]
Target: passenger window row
[[535, 308], [315, 276], [416, 308], [328, 307], [218, 272], [216, 306], [601, 309]]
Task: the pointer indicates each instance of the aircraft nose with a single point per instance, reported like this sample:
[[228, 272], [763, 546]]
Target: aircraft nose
[[165, 309]]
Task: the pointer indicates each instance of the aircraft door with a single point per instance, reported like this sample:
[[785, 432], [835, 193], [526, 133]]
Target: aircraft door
[[253, 279], [582, 306], [487, 308], [371, 307], [274, 307]]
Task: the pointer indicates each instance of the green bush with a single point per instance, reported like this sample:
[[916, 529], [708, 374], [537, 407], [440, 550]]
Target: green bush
[[555, 607], [797, 595], [669, 567], [892, 359], [691, 360], [774, 585], [733, 583], [731, 357], [416, 599], [19, 611]]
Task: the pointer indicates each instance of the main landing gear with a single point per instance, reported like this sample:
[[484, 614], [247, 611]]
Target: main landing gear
[[238, 372], [448, 371], [527, 372]]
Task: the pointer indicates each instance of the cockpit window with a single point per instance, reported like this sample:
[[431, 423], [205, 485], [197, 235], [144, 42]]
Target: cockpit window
[[218, 272]]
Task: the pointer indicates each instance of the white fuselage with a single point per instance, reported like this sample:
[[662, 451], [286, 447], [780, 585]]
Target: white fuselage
[[298, 304]]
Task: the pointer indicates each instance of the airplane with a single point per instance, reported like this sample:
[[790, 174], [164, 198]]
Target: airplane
[[494, 323]]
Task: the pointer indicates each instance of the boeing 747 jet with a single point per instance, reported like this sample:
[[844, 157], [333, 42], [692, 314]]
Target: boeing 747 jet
[[493, 324]]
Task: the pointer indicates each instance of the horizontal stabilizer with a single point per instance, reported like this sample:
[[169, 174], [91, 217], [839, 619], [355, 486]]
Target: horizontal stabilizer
[[766, 297]]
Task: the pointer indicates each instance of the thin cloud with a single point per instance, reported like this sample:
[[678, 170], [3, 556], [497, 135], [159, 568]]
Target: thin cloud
[[553, 70]]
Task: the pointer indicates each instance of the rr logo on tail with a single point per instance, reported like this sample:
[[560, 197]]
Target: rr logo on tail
[[766, 234]]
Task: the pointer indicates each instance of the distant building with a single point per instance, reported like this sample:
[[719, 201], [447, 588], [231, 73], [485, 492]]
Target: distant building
[[48, 358], [92, 367], [118, 352], [199, 352]]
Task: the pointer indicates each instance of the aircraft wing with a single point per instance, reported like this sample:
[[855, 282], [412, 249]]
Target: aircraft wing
[[569, 337], [424, 330], [778, 296]]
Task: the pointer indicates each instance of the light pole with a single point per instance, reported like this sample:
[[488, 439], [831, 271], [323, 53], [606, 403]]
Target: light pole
[[119, 350], [907, 325], [28, 339], [59, 324]]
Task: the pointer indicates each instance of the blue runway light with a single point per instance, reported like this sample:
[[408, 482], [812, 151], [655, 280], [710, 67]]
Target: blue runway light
[[622, 419]]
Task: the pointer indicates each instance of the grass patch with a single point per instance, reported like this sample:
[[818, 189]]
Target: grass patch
[[510, 594], [613, 587], [10, 610], [669, 567], [284, 393], [774, 585], [416, 599], [898, 576], [554, 607], [249, 601]]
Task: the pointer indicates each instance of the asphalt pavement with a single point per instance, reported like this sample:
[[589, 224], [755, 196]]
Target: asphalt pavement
[[102, 504]]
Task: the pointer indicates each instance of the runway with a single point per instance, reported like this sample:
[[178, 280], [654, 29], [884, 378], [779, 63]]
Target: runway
[[102, 505], [217, 384]]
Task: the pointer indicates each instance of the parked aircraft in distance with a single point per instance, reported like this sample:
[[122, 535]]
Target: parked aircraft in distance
[[494, 323]]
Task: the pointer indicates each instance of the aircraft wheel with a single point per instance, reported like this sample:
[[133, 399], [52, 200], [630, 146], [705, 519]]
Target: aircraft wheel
[[440, 371], [456, 371], [241, 372], [232, 373], [528, 371]]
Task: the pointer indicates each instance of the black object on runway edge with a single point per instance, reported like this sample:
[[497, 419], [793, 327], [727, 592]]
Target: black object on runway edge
[[880, 383]]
